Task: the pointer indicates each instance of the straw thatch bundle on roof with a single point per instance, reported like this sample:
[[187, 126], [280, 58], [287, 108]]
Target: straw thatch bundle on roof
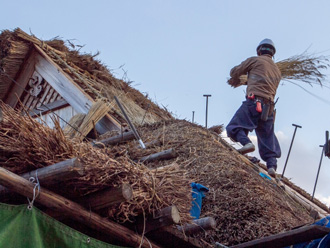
[[305, 67], [244, 205], [26, 145], [94, 78]]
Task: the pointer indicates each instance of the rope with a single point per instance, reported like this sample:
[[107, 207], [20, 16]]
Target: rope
[[35, 193]]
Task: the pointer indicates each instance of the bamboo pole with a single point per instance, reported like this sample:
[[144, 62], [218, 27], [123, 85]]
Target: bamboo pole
[[74, 210], [114, 140], [167, 154]]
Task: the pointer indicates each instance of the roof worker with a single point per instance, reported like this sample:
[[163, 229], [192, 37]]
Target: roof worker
[[257, 111]]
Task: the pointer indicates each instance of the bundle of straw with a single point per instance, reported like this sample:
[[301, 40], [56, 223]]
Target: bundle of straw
[[26, 144], [304, 67]]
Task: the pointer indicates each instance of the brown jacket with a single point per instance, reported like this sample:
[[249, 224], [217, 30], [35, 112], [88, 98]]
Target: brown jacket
[[263, 76]]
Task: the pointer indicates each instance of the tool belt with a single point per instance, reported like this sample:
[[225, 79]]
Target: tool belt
[[264, 106]]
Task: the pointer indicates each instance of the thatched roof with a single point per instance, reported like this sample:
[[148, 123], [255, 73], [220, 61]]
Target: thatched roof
[[245, 205], [27, 145], [93, 77]]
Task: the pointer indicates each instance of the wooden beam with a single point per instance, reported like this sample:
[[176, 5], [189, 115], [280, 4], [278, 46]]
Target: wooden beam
[[165, 217], [167, 154], [170, 236], [115, 139], [44, 109], [309, 205], [199, 225], [22, 79], [300, 235], [74, 210], [52, 174], [107, 197], [69, 90]]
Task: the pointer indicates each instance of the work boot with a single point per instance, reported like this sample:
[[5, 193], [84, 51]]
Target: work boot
[[271, 171], [249, 147]]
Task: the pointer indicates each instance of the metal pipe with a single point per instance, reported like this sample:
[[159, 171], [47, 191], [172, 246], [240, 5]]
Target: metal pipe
[[287, 158], [193, 116], [318, 172], [207, 103]]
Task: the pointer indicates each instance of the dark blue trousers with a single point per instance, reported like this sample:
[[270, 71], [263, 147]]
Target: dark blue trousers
[[247, 119]]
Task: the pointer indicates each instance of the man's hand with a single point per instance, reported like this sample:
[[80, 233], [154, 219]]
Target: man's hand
[[235, 82]]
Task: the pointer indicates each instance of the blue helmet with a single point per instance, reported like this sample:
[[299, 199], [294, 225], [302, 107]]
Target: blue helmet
[[266, 46]]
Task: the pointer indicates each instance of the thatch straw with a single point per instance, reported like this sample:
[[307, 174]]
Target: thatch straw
[[73, 125], [244, 205], [89, 73], [96, 79], [305, 67], [26, 145]]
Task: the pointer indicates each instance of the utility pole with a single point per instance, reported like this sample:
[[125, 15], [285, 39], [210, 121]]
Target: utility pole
[[207, 103], [287, 158], [318, 171]]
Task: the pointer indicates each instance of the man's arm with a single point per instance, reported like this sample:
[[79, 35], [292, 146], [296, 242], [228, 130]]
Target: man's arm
[[243, 68], [238, 74]]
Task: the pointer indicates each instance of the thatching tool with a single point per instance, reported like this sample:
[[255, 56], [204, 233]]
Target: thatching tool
[[318, 172], [207, 104], [327, 145], [287, 158], [137, 136]]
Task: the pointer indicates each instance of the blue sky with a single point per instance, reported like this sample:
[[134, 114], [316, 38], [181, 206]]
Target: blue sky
[[176, 51]]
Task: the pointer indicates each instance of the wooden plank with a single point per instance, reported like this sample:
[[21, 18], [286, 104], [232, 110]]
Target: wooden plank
[[52, 174], [47, 99], [296, 236], [22, 79], [45, 94], [43, 109], [55, 94], [309, 205], [69, 90], [74, 210]]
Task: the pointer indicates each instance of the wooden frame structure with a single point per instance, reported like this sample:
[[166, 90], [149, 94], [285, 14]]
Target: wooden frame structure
[[60, 90]]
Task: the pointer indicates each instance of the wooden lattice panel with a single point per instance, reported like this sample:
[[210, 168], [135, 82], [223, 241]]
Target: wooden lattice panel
[[38, 93]]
